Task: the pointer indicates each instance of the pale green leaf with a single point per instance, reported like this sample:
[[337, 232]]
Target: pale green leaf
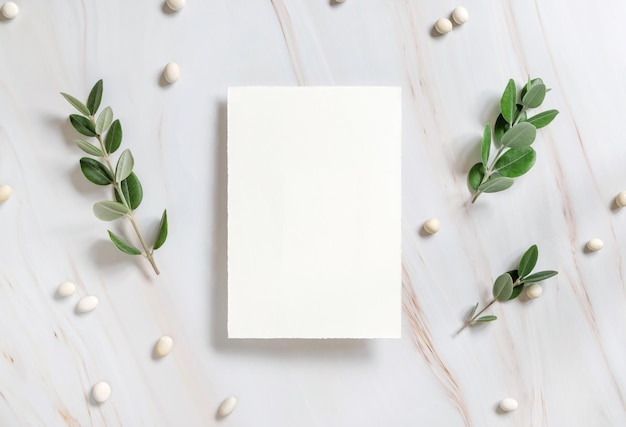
[[521, 135], [76, 104], [89, 148], [535, 96], [109, 211], [104, 120], [495, 184], [503, 287], [124, 166]]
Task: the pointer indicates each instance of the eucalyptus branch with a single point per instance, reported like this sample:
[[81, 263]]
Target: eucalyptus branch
[[513, 132], [127, 189], [509, 286]]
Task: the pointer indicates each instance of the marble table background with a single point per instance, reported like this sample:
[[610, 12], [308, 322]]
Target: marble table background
[[563, 356]]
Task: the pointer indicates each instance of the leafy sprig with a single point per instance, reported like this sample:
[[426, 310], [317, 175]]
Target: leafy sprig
[[509, 286], [127, 189], [513, 134]]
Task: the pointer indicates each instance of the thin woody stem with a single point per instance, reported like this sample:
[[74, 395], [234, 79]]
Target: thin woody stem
[[118, 189]]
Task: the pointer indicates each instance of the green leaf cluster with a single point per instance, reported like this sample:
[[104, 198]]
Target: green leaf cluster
[[509, 285], [99, 169], [513, 134]]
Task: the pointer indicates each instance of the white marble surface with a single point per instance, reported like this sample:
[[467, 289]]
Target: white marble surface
[[563, 356]]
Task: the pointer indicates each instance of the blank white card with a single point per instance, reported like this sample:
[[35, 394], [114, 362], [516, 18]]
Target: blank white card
[[314, 198]]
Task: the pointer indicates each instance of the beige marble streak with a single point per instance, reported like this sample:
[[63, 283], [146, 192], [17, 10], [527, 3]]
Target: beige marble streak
[[423, 341], [286, 26]]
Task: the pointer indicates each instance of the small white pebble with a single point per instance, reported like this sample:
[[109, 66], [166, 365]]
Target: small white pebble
[[443, 26], [176, 5], [460, 15], [620, 200], [87, 304], [508, 404], [163, 346], [101, 392], [5, 192], [534, 291], [10, 10], [227, 406], [595, 245], [431, 226], [66, 289], [171, 73]]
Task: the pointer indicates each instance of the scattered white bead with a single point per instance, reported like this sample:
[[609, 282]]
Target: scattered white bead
[[10, 10], [534, 291], [101, 392], [508, 404], [620, 200], [443, 26], [163, 346], [66, 289], [87, 304], [171, 73], [431, 226], [176, 5], [460, 15], [227, 406], [595, 245], [5, 192]]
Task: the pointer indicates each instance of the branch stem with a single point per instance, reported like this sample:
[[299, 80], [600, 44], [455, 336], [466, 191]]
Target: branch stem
[[148, 254]]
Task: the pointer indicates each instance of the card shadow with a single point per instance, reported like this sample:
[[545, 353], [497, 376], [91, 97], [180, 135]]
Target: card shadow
[[295, 348]]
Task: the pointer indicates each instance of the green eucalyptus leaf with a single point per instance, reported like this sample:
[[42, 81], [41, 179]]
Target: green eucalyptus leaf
[[95, 171], [123, 245], [124, 166], [132, 190], [161, 235], [508, 101], [541, 276], [475, 176], [503, 287], [114, 137], [109, 211], [542, 119], [529, 85], [495, 184], [517, 290], [104, 120], [471, 313], [82, 125], [95, 96], [528, 261], [89, 148], [534, 96], [516, 162], [521, 135], [485, 147], [485, 319], [76, 104]]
